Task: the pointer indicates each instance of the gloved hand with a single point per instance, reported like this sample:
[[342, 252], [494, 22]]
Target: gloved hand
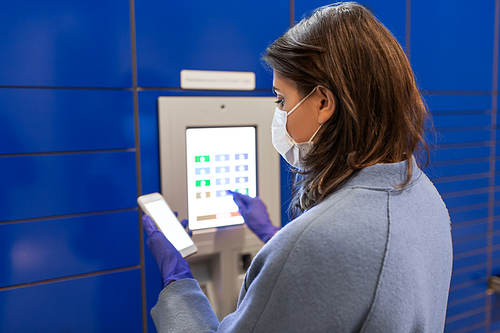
[[185, 224], [172, 265], [255, 214]]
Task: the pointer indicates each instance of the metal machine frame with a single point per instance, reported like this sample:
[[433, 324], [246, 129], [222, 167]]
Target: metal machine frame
[[220, 264]]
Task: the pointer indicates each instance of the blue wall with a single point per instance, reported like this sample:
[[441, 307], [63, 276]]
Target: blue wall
[[79, 82]]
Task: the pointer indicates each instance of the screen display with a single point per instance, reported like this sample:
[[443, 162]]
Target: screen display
[[219, 159], [168, 224]]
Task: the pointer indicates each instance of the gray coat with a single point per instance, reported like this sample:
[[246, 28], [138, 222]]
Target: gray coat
[[370, 258]]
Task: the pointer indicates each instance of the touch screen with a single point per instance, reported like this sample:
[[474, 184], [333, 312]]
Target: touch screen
[[219, 159]]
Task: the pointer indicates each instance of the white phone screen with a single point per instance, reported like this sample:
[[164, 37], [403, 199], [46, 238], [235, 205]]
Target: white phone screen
[[219, 159], [169, 224]]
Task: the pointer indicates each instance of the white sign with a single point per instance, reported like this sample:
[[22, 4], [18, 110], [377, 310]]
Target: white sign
[[217, 80]]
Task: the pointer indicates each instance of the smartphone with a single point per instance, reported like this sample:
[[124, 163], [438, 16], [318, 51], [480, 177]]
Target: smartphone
[[157, 208]]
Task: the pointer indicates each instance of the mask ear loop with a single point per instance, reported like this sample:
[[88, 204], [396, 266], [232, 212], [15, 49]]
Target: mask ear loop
[[302, 101], [295, 108], [312, 137]]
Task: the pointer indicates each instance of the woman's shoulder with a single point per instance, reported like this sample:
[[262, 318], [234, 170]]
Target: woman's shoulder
[[346, 212], [350, 221]]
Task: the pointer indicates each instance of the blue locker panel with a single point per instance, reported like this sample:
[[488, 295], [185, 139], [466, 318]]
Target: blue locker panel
[[496, 241], [481, 329], [469, 230], [464, 322], [450, 154], [154, 284], [42, 250], [461, 263], [495, 267], [497, 176], [50, 185], [436, 171], [391, 13], [150, 181], [444, 122], [103, 303], [468, 215], [465, 200], [462, 185], [458, 137], [460, 247], [149, 139], [476, 288], [65, 43], [452, 45], [458, 104], [203, 35], [465, 307], [286, 191], [43, 120], [478, 274], [496, 222], [496, 256], [495, 314], [495, 305]]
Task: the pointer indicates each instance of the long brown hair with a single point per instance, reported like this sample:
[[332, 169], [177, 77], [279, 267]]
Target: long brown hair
[[379, 116]]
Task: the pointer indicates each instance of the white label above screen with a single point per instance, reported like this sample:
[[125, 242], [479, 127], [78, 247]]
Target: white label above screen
[[169, 224], [219, 159]]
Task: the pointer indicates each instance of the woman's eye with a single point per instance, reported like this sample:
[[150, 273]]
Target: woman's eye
[[280, 102]]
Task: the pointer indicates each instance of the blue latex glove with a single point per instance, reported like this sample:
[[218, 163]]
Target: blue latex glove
[[185, 224], [255, 214], [172, 265]]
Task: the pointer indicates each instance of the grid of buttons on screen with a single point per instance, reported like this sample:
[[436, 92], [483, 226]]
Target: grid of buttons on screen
[[217, 173]]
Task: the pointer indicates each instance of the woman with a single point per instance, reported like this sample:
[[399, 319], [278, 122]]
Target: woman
[[371, 250]]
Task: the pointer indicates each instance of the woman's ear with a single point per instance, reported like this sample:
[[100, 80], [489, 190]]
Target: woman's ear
[[328, 105]]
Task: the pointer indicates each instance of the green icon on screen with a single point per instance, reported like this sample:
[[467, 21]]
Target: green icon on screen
[[200, 183], [202, 158], [242, 191]]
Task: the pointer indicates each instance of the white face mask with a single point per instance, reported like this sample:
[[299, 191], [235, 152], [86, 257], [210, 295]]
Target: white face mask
[[291, 151]]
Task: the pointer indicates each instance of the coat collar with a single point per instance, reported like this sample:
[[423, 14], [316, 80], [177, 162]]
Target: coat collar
[[384, 176]]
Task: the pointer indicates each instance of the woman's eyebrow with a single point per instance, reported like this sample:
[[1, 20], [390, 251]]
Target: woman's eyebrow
[[275, 90]]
